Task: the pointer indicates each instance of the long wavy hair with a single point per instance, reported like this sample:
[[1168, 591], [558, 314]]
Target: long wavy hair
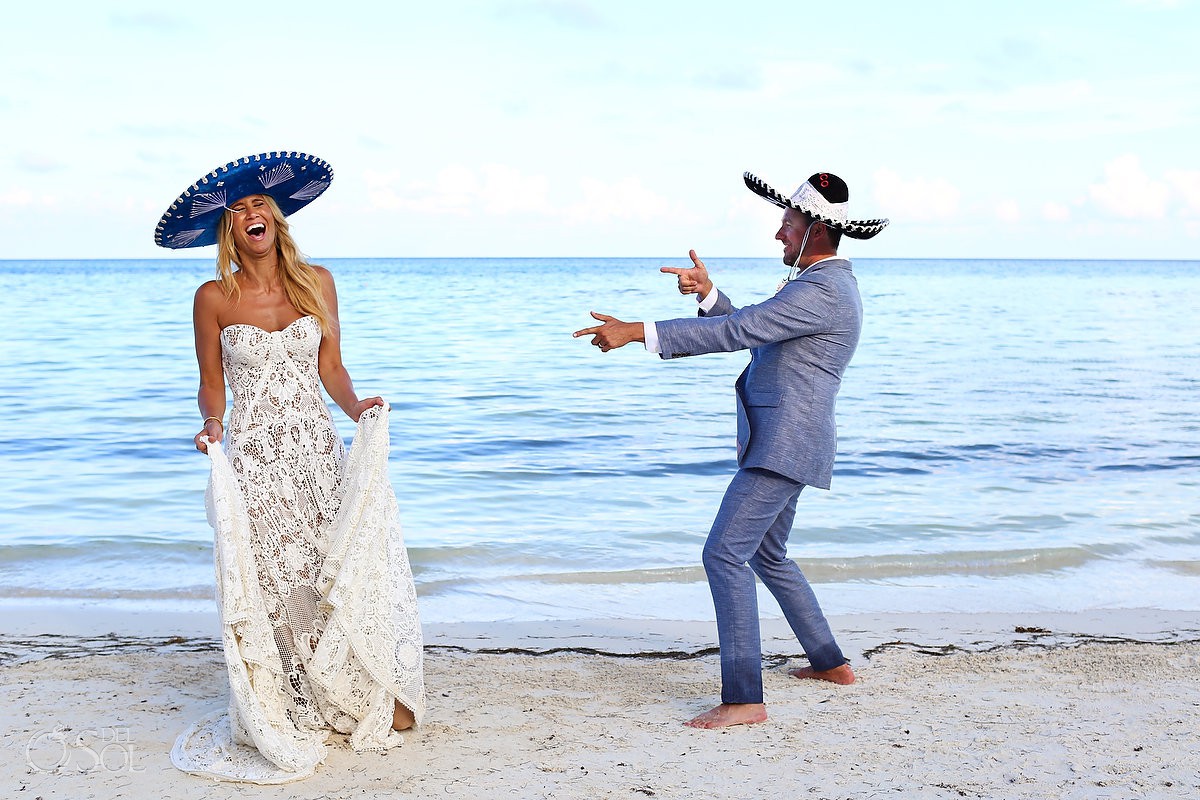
[[300, 281]]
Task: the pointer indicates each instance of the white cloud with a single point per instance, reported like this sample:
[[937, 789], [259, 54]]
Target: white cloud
[[626, 198], [567, 13], [494, 190], [1075, 110], [1186, 184], [1038, 98], [1008, 211], [498, 190], [23, 198], [1128, 192], [154, 21], [507, 191], [17, 197], [37, 162], [739, 78], [1055, 212], [745, 205], [781, 79], [914, 199]]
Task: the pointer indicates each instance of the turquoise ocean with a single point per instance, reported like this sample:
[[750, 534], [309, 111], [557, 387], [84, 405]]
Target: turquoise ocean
[[1013, 436]]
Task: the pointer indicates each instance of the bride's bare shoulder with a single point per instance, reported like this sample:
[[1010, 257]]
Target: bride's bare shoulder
[[211, 298]]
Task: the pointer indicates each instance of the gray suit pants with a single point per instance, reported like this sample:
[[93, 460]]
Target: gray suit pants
[[749, 537]]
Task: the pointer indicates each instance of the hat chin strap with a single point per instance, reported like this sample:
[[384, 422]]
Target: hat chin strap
[[792, 274]]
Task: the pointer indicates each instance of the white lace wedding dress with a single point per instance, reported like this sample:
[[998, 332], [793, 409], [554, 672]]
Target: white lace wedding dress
[[318, 610]]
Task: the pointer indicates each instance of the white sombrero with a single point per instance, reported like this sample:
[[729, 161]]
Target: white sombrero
[[824, 197]]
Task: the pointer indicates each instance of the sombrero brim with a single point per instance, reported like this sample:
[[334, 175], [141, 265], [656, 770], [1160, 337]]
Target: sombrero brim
[[854, 228], [293, 180]]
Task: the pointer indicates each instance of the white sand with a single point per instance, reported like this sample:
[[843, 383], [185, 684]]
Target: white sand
[[1090, 706]]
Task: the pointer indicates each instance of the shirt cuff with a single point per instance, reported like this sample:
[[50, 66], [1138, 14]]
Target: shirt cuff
[[650, 332], [709, 300]]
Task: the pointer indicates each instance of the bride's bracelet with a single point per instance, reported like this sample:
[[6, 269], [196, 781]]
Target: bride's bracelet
[[217, 419]]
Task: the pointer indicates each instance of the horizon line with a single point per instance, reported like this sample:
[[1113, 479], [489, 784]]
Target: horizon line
[[317, 259]]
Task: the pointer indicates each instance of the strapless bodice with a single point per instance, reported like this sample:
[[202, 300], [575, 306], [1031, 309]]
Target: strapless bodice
[[271, 366]]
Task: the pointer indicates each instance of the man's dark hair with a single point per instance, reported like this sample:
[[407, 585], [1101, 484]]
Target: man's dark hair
[[834, 235]]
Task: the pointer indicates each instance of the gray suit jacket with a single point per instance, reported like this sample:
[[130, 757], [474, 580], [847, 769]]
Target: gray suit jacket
[[800, 342]]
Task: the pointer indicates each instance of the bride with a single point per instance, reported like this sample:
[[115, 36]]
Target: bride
[[317, 604]]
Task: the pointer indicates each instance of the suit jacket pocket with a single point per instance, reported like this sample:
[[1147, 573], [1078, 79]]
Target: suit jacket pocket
[[761, 398]]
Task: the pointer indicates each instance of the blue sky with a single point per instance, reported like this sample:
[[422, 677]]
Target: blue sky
[[574, 128]]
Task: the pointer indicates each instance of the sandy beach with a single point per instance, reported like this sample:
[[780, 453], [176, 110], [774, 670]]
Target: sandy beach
[[1095, 705]]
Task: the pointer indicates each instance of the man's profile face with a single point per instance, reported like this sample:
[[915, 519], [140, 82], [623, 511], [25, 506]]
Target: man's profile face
[[791, 233]]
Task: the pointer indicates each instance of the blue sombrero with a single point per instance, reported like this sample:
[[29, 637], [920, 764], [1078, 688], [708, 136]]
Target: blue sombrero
[[293, 180]]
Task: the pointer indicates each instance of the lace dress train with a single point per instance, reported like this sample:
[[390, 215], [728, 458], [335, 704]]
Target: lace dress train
[[318, 609]]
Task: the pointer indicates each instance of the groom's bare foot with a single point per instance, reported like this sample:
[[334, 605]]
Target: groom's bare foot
[[402, 718], [842, 675], [728, 714]]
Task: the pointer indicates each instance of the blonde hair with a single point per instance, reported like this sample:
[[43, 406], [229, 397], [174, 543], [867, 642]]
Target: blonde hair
[[300, 281]]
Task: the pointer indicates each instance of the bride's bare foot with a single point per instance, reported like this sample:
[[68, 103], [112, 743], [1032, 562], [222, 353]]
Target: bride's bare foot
[[728, 714], [842, 675], [402, 718]]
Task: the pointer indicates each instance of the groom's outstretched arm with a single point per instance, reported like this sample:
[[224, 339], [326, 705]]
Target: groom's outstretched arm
[[613, 333]]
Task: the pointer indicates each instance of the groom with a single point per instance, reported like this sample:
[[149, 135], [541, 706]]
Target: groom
[[800, 341]]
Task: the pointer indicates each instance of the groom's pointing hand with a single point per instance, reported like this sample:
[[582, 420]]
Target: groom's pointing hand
[[693, 279], [613, 333]]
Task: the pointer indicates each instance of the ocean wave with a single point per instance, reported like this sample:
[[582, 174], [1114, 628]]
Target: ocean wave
[[875, 568]]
